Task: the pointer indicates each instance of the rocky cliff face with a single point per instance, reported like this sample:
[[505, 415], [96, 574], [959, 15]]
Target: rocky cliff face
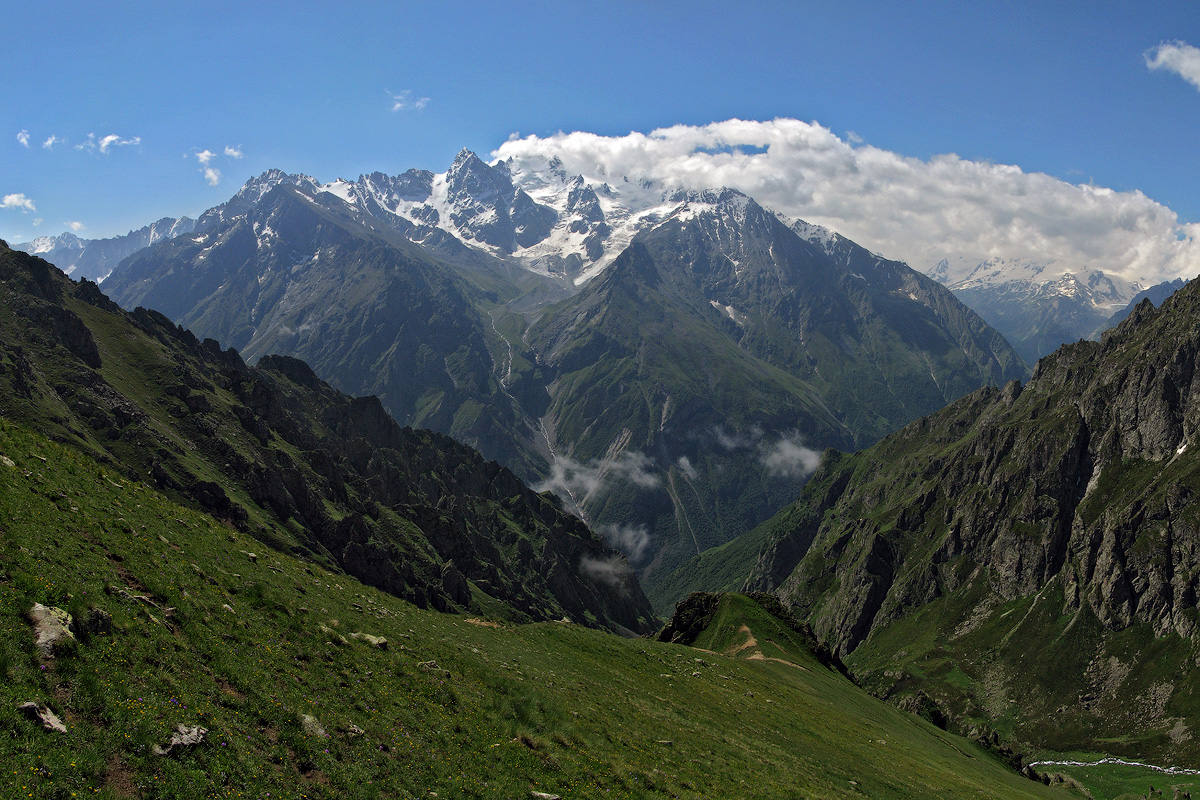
[[279, 453], [1078, 491]]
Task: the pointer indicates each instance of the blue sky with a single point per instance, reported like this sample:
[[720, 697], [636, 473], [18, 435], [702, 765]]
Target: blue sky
[[310, 88]]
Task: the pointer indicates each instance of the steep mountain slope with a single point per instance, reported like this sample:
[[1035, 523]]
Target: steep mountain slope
[[197, 634], [719, 344], [96, 258], [1029, 558], [1035, 306], [281, 268], [280, 454]]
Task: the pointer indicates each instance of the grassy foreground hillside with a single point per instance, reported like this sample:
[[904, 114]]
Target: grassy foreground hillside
[[205, 634], [281, 454]]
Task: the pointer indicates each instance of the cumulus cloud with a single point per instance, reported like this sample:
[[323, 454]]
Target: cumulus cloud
[[789, 458], [18, 201], [632, 540], [916, 210], [206, 159], [23, 138], [52, 140], [105, 143], [613, 571], [1178, 57], [75, 226], [407, 101]]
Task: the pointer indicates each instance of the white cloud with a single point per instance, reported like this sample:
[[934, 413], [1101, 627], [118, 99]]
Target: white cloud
[[205, 156], [52, 140], [112, 140], [737, 440], [233, 152], [212, 175], [577, 481], [906, 208], [18, 201], [107, 142], [632, 540], [784, 457], [685, 465], [75, 226], [405, 101], [613, 571], [23, 138], [38, 221], [788, 458], [1178, 57]]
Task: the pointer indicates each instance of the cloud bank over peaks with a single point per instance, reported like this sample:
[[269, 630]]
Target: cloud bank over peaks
[[919, 211]]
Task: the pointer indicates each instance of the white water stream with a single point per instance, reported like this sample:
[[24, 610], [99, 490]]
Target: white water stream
[[1119, 762]]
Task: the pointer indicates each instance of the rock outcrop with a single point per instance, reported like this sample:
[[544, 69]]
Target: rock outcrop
[[51, 630], [40, 713], [184, 736]]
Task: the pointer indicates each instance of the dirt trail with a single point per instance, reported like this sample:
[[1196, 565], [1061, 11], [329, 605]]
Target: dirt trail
[[756, 654]]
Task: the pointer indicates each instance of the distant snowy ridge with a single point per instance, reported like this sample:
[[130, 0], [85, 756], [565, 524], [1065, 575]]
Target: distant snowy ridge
[[95, 259], [545, 220]]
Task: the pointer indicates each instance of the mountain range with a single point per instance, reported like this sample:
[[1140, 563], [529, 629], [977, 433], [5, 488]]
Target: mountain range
[[667, 361], [96, 258], [1014, 562], [1038, 307]]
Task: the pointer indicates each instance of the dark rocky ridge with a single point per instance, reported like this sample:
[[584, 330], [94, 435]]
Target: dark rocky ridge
[[1076, 494]]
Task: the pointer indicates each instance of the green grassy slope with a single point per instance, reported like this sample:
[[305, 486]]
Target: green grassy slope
[[506, 710], [281, 454]]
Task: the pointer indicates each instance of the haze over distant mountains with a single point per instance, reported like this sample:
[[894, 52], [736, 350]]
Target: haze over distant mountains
[[96, 258]]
